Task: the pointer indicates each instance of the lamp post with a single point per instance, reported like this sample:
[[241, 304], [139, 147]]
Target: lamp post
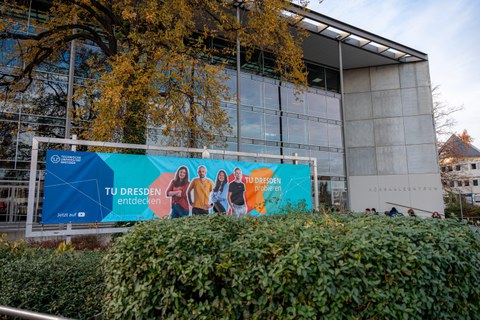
[[461, 207]]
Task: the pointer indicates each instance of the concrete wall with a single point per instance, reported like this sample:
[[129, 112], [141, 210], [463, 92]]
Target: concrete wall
[[390, 139]]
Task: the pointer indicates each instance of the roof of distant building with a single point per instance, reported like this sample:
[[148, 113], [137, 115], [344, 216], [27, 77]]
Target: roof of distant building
[[456, 147]]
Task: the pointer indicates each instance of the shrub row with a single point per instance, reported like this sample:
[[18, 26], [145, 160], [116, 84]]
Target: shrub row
[[83, 242], [294, 267], [69, 284]]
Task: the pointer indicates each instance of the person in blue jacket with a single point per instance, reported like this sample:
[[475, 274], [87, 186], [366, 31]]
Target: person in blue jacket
[[220, 192], [394, 212]]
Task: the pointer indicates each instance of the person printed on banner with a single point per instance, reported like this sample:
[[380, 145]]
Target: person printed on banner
[[236, 195], [177, 191], [220, 193], [202, 187]]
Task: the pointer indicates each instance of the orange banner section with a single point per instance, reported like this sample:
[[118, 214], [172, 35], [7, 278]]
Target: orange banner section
[[255, 185]]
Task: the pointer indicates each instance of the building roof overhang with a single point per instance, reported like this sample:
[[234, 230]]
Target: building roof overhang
[[360, 48]]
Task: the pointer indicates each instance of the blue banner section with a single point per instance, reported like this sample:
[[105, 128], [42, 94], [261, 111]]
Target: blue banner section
[[102, 187], [74, 185]]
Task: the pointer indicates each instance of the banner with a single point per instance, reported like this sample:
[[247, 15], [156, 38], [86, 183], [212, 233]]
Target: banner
[[91, 187]]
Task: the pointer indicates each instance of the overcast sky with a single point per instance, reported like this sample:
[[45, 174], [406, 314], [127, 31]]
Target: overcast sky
[[447, 30]]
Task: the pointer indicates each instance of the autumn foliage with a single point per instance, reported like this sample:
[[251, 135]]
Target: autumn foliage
[[153, 64]]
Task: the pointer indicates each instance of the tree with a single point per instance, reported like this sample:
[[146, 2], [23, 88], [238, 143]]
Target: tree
[[466, 137], [154, 64], [443, 116]]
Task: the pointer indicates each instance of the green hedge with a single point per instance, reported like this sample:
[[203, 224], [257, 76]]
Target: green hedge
[[294, 267], [69, 284]]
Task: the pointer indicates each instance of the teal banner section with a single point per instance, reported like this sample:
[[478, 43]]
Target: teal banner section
[[106, 187]]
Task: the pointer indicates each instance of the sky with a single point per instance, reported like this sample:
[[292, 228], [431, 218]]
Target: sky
[[447, 30]]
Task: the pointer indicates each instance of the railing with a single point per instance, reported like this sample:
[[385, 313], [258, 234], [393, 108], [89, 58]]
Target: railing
[[404, 206], [24, 314]]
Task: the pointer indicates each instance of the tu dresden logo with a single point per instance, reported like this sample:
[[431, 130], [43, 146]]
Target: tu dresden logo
[[55, 159]]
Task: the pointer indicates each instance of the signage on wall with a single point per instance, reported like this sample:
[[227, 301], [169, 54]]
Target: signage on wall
[[403, 188], [86, 187]]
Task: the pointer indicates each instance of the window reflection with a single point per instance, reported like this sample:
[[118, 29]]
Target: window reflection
[[333, 80], [335, 136], [297, 130], [336, 164], [333, 109], [271, 96], [251, 92], [317, 105], [292, 102], [252, 125], [232, 119], [272, 127], [323, 162], [317, 133]]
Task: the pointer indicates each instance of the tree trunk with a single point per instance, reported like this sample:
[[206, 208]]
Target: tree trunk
[[135, 127]]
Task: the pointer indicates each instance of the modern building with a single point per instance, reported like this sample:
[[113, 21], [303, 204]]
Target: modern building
[[367, 118], [460, 168]]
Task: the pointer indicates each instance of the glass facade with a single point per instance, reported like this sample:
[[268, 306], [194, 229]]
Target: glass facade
[[288, 122], [274, 119]]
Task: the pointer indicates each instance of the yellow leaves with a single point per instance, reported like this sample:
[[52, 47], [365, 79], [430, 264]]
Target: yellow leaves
[[157, 53]]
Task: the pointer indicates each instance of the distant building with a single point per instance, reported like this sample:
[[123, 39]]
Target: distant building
[[460, 169]]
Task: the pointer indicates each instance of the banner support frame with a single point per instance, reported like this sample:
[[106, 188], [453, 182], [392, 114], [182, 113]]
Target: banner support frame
[[29, 232]]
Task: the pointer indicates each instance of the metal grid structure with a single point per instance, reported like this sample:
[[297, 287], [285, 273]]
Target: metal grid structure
[[71, 230]]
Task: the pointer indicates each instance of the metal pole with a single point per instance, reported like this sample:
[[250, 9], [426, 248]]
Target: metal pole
[[31, 187], [461, 207], [238, 82], [340, 58], [71, 73], [24, 314], [315, 185], [68, 239]]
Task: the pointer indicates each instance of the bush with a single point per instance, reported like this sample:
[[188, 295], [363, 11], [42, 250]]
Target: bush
[[68, 284], [82, 242], [294, 267]]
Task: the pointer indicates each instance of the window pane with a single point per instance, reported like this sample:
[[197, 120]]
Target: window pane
[[292, 103], [335, 136], [316, 76], [299, 152], [297, 130], [252, 125], [232, 120], [272, 127], [253, 148], [8, 139], [272, 150], [333, 80], [271, 96], [323, 162], [336, 164], [231, 84], [317, 105], [317, 133], [333, 109], [251, 92]]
